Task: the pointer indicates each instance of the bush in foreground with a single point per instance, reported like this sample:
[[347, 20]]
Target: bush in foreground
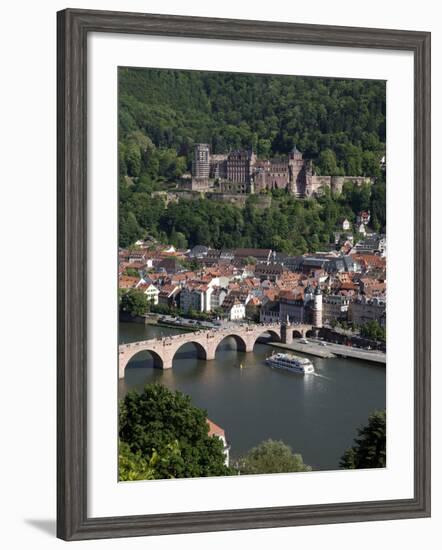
[[164, 426], [271, 457]]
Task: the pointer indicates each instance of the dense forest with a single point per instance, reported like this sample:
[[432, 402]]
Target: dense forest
[[288, 225], [339, 124]]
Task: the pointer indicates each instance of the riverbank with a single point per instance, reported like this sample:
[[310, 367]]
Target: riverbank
[[304, 348], [153, 320], [334, 350]]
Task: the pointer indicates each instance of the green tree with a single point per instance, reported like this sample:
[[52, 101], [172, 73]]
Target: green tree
[[131, 272], [134, 467], [156, 418], [271, 457], [134, 302], [373, 331], [369, 450], [327, 163], [130, 231]]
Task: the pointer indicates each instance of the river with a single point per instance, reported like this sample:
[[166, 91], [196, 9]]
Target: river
[[317, 415]]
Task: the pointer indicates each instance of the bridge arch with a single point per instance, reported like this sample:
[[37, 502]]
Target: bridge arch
[[241, 344], [298, 333], [274, 335], [200, 349], [158, 362]]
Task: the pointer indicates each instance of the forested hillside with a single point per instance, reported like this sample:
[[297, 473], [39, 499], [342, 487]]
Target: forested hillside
[[339, 124], [176, 109]]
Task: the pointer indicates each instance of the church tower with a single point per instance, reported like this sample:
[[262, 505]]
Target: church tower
[[317, 308]]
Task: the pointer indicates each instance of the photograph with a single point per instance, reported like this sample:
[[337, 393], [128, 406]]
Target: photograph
[[252, 286]]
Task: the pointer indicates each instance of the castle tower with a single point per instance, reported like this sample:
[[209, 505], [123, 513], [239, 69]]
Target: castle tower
[[201, 161], [317, 308], [296, 173]]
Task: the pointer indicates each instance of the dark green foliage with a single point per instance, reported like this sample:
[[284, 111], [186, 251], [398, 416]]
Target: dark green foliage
[[153, 420], [271, 457], [373, 331], [378, 206], [131, 272], [369, 450], [134, 467], [289, 225], [177, 108], [133, 302]]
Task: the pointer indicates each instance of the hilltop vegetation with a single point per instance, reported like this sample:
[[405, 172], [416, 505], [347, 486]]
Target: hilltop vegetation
[[288, 225], [339, 124]]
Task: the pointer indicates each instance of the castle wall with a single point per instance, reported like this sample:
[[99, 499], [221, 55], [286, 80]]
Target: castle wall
[[316, 183], [240, 172], [337, 182], [271, 175]]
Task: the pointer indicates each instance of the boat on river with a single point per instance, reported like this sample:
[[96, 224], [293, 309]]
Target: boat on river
[[292, 363]]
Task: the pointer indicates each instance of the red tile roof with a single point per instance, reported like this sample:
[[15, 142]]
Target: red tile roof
[[214, 429]]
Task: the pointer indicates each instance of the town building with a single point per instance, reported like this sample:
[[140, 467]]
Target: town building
[[363, 309], [335, 308], [345, 224], [151, 292], [233, 308], [260, 255], [196, 298], [217, 431], [168, 295], [271, 272], [217, 298]]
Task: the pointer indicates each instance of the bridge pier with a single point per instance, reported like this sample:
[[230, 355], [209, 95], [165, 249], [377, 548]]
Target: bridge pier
[[121, 368], [210, 353], [286, 334], [249, 346]]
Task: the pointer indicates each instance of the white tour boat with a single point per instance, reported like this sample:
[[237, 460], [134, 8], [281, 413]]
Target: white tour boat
[[291, 363]]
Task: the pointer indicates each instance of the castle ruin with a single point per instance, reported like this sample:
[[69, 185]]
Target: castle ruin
[[241, 172]]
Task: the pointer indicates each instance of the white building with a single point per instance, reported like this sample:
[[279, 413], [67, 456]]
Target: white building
[[196, 298], [234, 309], [345, 224], [217, 431], [152, 293]]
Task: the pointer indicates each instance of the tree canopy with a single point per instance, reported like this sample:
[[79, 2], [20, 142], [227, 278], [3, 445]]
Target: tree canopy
[[369, 450], [161, 423], [271, 457], [338, 123], [374, 331], [288, 225], [133, 302], [134, 467]]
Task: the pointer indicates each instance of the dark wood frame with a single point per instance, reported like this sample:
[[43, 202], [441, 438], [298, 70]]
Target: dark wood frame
[[73, 28]]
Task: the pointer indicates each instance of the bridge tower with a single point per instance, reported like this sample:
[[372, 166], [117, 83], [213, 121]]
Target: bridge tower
[[286, 332], [317, 308]]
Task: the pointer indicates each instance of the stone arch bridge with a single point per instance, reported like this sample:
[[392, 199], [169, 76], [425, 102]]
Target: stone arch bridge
[[206, 342]]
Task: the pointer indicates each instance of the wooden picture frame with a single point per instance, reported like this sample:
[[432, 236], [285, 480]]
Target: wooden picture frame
[[73, 28]]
